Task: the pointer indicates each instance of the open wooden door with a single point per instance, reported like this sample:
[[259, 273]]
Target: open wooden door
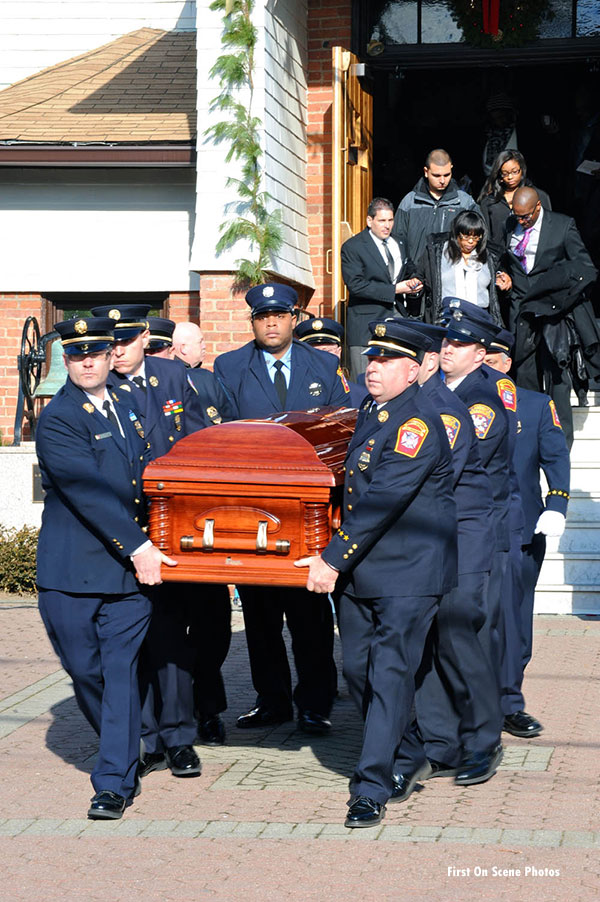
[[352, 161]]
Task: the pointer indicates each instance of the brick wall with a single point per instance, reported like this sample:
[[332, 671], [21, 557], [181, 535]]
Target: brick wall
[[329, 23]]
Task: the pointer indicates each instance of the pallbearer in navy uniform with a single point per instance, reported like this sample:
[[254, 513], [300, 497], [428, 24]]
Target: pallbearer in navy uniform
[[394, 555], [94, 559], [457, 700], [470, 332], [169, 410], [271, 374], [328, 335], [540, 444]]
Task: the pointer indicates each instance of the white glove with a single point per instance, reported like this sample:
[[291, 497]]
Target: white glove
[[551, 523]]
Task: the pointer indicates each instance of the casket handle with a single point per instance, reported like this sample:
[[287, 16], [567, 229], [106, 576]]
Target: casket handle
[[208, 536], [262, 541]]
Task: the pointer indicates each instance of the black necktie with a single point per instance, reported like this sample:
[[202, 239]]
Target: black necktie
[[280, 383], [139, 381], [111, 416], [390, 260]]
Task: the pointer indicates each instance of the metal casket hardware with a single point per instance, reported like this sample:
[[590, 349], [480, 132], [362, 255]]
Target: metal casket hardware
[[262, 540], [208, 536]]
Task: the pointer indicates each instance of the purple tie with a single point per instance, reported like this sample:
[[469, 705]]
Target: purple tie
[[521, 247]]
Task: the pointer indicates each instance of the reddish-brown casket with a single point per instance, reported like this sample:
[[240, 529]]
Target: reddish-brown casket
[[240, 502]]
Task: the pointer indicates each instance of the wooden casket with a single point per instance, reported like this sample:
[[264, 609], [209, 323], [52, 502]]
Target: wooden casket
[[240, 502]]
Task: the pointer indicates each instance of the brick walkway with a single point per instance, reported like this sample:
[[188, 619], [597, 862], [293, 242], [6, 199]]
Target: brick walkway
[[264, 821]]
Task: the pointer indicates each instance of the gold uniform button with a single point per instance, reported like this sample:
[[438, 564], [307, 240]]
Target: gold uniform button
[[355, 546], [351, 473], [350, 489], [141, 456], [137, 500], [345, 557], [133, 482], [136, 519], [349, 507], [351, 551], [171, 439]]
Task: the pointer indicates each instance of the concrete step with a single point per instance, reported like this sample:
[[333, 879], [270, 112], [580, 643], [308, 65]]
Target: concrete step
[[585, 448], [580, 537], [571, 568], [583, 506], [585, 475], [564, 599]]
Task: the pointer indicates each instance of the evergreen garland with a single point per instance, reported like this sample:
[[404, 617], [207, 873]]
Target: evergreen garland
[[235, 71], [518, 25]]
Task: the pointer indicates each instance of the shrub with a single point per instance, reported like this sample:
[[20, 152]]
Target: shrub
[[17, 559]]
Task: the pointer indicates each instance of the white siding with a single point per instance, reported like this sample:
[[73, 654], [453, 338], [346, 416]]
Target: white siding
[[95, 230], [280, 102], [35, 34]]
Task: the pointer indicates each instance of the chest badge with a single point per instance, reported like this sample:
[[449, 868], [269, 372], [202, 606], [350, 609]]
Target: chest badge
[[153, 381], [383, 416], [364, 460], [315, 389]]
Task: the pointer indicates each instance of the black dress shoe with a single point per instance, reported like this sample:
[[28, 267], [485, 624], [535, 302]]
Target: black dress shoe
[[183, 761], [211, 730], [404, 784], [439, 769], [311, 722], [261, 717], [477, 767], [522, 724], [106, 806], [151, 761], [364, 812]]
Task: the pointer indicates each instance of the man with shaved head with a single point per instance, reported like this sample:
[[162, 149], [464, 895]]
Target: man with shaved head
[[556, 336], [431, 206]]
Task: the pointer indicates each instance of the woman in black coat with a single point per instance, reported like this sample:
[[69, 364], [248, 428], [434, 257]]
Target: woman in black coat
[[509, 172], [459, 264]]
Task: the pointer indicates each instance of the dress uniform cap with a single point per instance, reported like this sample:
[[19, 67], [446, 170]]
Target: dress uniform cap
[[319, 331], [272, 297], [467, 322], [85, 334], [392, 338], [504, 341], [435, 333], [128, 319], [161, 333]]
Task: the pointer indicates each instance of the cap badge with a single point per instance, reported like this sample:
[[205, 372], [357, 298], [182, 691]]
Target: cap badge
[[268, 291], [114, 314], [380, 330], [383, 416], [454, 303], [153, 381], [457, 315], [80, 327], [84, 347], [317, 324]]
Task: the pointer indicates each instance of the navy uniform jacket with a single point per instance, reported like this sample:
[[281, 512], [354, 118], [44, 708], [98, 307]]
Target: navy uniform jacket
[[93, 509], [315, 381], [211, 395], [169, 408], [540, 443], [507, 392], [491, 424], [472, 488], [398, 534]]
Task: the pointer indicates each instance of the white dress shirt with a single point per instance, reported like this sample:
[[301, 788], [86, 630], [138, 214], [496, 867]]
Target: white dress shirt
[[394, 249]]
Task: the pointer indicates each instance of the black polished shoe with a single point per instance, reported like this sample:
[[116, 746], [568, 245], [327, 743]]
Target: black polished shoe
[[106, 806], [211, 730], [477, 767], [404, 784], [439, 769], [183, 761], [261, 717], [522, 724], [364, 812], [311, 722], [151, 761]]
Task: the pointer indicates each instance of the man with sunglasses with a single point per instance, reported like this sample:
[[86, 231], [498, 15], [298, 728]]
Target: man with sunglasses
[[548, 312]]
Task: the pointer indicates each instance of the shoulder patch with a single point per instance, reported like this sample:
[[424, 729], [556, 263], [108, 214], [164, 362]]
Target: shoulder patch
[[508, 393], [483, 417], [555, 419], [452, 425], [411, 436], [343, 379]]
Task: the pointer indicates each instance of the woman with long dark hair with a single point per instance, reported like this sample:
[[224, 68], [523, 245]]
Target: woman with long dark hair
[[509, 172], [460, 264]]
